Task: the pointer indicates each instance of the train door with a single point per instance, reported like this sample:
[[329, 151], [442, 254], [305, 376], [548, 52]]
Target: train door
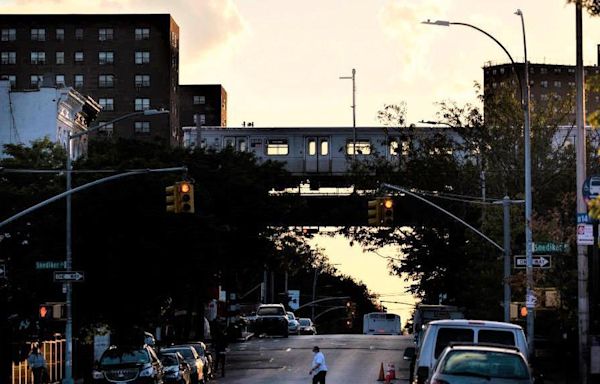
[[317, 154]]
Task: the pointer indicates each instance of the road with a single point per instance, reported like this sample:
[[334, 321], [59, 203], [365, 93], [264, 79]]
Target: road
[[350, 358]]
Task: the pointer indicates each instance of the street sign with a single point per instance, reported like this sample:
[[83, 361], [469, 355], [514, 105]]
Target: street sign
[[585, 234], [547, 247], [68, 276], [531, 301], [538, 261], [294, 302], [2, 270], [50, 265]]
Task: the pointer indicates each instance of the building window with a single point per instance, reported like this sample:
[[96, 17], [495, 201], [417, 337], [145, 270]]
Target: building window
[[277, 147], [36, 80], [202, 119], [78, 33], [544, 83], [571, 70], [79, 57], [105, 128], [142, 81], [199, 100], [105, 34], [557, 84], [9, 34], [78, 81], [107, 104], [543, 70], [544, 97], [12, 79], [493, 71], [531, 83], [59, 80], [60, 57], [106, 81], [501, 71], [38, 34], [531, 70], [60, 34], [106, 58], [142, 104], [557, 70], [571, 84], [142, 127], [8, 58], [142, 57], [363, 147], [142, 33], [38, 57]]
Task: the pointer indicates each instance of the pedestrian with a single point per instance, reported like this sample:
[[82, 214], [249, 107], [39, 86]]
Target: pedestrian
[[37, 364], [318, 367]]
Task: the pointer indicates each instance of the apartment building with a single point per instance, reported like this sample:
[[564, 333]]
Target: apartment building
[[127, 62], [208, 102]]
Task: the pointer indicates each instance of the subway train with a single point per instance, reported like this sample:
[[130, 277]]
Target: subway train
[[311, 150]]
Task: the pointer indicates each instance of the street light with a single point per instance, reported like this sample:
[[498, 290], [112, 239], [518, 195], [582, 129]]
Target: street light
[[353, 78], [314, 292], [68, 379], [523, 86]]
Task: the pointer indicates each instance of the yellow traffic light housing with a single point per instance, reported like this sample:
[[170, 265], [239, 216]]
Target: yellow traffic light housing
[[374, 212], [387, 215], [185, 197], [171, 199]]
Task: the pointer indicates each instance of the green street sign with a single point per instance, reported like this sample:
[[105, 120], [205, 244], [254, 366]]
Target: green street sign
[[547, 247], [50, 264]]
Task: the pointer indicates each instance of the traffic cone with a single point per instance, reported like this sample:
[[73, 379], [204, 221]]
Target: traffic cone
[[392, 371], [381, 375], [388, 378]]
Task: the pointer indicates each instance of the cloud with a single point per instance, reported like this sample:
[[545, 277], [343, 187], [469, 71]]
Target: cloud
[[206, 26], [401, 22]]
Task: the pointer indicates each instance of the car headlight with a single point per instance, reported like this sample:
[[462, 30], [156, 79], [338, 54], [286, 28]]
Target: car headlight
[[97, 375], [147, 372]]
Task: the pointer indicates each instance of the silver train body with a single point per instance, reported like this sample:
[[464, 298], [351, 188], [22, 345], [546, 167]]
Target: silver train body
[[310, 150]]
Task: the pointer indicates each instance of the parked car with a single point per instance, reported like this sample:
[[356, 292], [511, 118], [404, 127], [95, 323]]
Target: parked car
[[177, 371], [439, 334], [271, 319], [293, 325], [206, 356], [129, 364], [191, 357], [306, 326], [480, 363]]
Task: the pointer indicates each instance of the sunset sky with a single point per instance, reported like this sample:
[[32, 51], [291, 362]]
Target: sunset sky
[[280, 60]]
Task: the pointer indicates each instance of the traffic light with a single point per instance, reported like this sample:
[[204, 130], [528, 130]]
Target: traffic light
[[180, 197], [45, 311], [387, 215], [522, 311], [171, 198], [185, 197], [374, 212]]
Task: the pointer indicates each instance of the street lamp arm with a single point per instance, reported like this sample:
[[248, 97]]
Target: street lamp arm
[[329, 310], [403, 190], [86, 186]]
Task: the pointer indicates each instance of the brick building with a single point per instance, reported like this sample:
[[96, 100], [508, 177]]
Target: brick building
[[208, 101], [127, 62]]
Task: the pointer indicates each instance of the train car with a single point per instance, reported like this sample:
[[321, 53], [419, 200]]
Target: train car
[[308, 150]]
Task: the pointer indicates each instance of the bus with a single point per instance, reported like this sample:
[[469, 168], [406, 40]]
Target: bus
[[381, 323]]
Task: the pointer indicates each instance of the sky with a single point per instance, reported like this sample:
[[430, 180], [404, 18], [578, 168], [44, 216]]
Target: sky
[[280, 60]]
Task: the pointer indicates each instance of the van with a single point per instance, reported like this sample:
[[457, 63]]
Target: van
[[439, 334]]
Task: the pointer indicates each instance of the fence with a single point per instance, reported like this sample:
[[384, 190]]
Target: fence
[[53, 352]]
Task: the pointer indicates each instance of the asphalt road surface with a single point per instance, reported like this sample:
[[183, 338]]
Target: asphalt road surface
[[354, 359]]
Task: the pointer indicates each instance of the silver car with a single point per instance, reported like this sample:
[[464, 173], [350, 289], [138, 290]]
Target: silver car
[[293, 325], [481, 363]]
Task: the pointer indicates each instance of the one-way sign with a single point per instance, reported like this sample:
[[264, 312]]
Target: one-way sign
[[538, 261], [68, 276]]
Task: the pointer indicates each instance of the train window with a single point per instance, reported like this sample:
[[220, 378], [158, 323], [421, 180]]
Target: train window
[[277, 147], [312, 147], [242, 145], [229, 142], [394, 148], [324, 147], [363, 147]]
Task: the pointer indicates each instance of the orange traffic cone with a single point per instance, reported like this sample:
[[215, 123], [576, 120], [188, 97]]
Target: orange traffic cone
[[381, 375], [392, 371], [388, 378]]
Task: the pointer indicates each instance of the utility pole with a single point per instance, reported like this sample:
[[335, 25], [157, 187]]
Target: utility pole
[[582, 259], [506, 209], [353, 78]]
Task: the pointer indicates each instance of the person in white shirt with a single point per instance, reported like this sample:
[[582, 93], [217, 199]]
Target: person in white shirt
[[318, 367]]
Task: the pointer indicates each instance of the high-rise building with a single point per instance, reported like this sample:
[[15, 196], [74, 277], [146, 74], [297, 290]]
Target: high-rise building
[[127, 62]]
